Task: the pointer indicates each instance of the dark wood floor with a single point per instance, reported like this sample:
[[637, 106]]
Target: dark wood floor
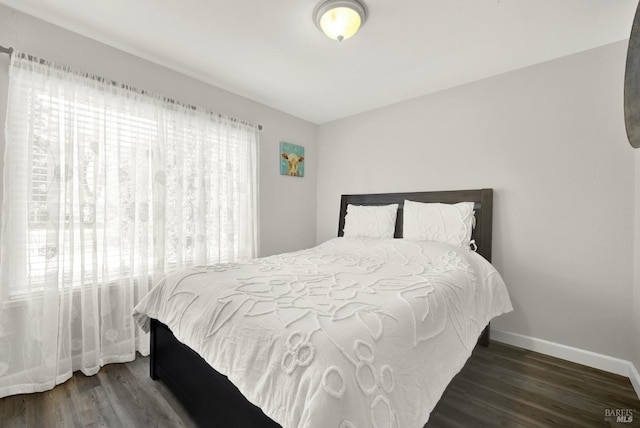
[[510, 387], [499, 386]]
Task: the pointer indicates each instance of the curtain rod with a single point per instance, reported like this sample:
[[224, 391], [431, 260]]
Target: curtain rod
[[9, 51]]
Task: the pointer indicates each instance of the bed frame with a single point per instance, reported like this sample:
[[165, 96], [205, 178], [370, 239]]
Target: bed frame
[[210, 398]]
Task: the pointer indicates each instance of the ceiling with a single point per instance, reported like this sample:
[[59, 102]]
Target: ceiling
[[271, 51]]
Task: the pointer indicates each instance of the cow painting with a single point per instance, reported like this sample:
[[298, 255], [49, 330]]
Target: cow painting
[[291, 160]]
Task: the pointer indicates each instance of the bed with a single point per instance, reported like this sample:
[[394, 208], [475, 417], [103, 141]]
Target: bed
[[310, 326]]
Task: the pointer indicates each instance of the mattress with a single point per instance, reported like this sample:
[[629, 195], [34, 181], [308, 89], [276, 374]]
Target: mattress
[[351, 333]]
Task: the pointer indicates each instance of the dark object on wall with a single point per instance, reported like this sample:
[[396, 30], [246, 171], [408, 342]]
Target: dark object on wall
[[632, 84]]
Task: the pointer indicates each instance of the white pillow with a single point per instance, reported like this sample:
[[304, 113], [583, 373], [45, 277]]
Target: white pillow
[[369, 221], [450, 223]]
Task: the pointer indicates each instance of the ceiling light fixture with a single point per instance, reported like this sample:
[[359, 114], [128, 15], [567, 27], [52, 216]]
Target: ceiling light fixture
[[340, 19]]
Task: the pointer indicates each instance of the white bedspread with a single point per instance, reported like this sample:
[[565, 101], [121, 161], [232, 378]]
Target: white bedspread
[[351, 333]]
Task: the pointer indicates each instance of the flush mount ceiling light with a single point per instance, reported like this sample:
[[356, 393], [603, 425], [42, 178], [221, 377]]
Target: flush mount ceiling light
[[340, 19]]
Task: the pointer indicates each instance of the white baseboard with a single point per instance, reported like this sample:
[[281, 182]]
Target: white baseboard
[[634, 377], [576, 355]]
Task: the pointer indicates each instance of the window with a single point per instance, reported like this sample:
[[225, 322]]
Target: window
[[107, 184], [106, 190]]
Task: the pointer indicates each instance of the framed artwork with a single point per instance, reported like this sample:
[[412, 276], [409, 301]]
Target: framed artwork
[[291, 160]]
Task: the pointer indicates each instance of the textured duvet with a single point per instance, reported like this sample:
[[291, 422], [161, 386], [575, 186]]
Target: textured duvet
[[351, 333]]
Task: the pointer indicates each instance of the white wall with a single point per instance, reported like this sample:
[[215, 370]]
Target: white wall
[[550, 140], [287, 223]]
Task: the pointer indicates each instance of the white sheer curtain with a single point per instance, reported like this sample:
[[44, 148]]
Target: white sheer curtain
[[106, 189]]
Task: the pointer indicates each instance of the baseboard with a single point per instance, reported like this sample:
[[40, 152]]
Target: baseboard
[[634, 377], [592, 359]]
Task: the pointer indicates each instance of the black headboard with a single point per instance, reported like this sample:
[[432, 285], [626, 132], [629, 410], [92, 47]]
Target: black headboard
[[482, 199]]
